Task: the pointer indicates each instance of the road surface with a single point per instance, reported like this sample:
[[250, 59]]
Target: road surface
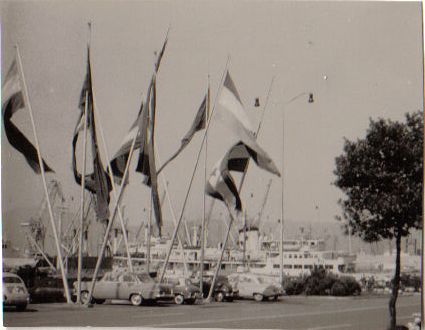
[[314, 313]]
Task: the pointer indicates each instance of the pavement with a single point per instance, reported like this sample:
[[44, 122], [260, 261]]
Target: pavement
[[295, 312]]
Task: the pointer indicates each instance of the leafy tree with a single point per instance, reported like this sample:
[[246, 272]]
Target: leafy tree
[[381, 176]]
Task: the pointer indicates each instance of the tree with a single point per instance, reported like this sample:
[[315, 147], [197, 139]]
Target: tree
[[381, 177]]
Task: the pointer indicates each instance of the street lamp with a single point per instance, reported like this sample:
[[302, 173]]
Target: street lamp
[[296, 97]]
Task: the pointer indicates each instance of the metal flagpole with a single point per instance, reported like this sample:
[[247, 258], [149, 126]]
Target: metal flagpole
[[43, 175], [191, 180], [173, 214], [232, 218], [83, 186], [203, 236], [114, 189], [111, 221], [282, 201]]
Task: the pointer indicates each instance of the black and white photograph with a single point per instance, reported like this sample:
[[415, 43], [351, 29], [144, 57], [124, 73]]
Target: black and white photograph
[[212, 164]]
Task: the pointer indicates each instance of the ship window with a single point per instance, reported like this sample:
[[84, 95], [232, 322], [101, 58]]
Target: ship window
[[276, 266], [290, 256], [295, 256], [287, 266], [329, 267]]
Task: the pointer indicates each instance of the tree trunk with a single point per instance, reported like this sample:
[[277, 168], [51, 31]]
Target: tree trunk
[[395, 285]]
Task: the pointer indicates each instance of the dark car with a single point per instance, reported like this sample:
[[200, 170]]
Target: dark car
[[223, 290]]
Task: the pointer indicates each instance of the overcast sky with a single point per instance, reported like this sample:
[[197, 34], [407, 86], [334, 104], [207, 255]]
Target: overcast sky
[[360, 60]]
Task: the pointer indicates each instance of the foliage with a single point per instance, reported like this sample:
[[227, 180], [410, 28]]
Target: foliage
[[381, 176], [322, 283]]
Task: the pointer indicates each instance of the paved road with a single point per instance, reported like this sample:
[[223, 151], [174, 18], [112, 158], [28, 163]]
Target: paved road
[[314, 313]]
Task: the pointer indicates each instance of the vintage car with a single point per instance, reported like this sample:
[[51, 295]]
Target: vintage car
[[254, 286], [15, 292], [223, 290], [183, 289], [123, 285]]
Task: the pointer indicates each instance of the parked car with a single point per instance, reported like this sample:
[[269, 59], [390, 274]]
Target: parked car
[[15, 292], [184, 290], [124, 285], [254, 286], [223, 290]]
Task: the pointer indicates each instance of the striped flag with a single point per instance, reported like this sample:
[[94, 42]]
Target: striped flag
[[221, 185], [119, 161], [97, 182], [198, 124], [12, 101], [236, 118]]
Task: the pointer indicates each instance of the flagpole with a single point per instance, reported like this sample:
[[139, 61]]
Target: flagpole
[[83, 186], [203, 236], [148, 246], [222, 253], [111, 221], [114, 189], [173, 214], [40, 160], [193, 176]]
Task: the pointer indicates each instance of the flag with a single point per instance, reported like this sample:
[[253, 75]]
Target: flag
[[235, 117], [146, 162], [198, 124], [221, 185], [119, 161], [97, 182], [12, 101]]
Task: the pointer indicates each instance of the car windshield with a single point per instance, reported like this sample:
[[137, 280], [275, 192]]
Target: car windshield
[[145, 278], [12, 279]]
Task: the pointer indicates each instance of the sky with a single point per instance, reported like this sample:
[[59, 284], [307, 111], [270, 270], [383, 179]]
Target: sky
[[361, 60]]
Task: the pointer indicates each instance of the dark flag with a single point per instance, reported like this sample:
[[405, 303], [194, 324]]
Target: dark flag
[[97, 182], [198, 124], [12, 101]]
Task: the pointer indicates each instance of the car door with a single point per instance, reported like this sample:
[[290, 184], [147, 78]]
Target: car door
[[245, 286], [107, 287], [126, 285]]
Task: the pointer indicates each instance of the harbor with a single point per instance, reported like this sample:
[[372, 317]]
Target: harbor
[[236, 165]]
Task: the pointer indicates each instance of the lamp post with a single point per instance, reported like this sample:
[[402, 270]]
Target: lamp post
[[296, 97]]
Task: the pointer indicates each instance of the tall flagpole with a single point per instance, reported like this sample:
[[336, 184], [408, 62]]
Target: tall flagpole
[[83, 186], [114, 189], [232, 218], [191, 180], [40, 161], [111, 220], [173, 214], [203, 236]]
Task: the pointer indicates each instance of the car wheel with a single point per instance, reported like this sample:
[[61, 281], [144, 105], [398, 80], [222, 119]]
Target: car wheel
[[219, 297], [258, 297], [99, 301], [85, 297], [230, 299], [136, 299], [179, 299], [21, 307]]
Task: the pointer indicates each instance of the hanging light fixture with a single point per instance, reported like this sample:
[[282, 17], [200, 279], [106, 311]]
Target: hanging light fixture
[[310, 98]]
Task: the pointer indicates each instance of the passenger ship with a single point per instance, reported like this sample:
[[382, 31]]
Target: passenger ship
[[261, 256]]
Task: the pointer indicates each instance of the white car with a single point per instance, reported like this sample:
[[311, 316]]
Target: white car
[[15, 292], [254, 286]]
